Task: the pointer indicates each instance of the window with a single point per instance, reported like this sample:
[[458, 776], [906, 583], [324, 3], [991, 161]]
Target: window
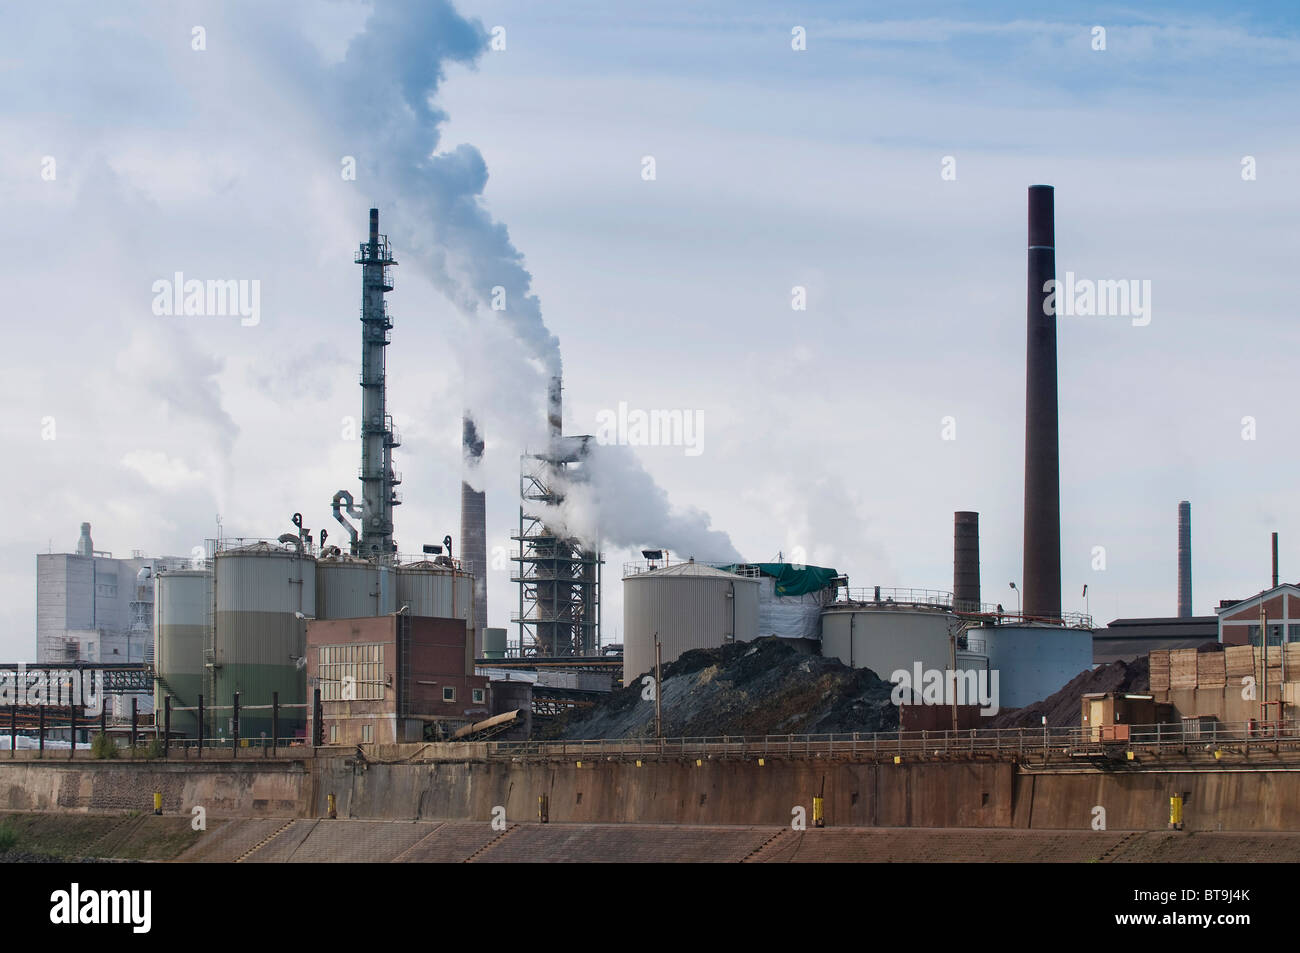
[[448, 694], [334, 734], [361, 664], [1274, 635], [478, 696], [367, 734]]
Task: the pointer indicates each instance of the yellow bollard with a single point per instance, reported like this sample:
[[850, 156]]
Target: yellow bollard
[[761, 762], [543, 809], [898, 759], [819, 819], [157, 802], [332, 808], [1175, 812]]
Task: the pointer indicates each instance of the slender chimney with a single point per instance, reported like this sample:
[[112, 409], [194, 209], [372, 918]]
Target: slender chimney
[[966, 562], [555, 408], [84, 545], [1042, 567], [1275, 560], [473, 524], [1184, 560]]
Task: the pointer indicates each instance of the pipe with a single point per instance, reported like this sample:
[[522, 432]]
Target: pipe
[[341, 497], [1275, 560], [290, 539], [1042, 529]]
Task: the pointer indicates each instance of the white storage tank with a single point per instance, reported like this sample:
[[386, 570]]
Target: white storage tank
[[350, 588], [690, 606], [888, 636]]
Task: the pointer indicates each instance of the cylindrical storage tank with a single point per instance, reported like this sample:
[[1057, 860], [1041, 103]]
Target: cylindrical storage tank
[[181, 617], [690, 606], [261, 590], [887, 637], [437, 591], [494, 643], [354, 589]]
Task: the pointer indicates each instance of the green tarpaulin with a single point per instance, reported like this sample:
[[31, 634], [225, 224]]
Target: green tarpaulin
[[792, 580]]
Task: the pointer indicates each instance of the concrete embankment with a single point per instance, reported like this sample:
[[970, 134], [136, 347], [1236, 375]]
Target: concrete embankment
[[430, 784]]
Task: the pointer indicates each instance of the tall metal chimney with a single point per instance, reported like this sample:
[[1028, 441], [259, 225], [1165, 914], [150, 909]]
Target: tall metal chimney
[[1042, 567], [473, 524], [966, 562], [1184, 560], [378, 438], [1275, 560]]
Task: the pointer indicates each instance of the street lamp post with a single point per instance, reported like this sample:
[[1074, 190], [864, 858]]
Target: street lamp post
[[1018, 613]]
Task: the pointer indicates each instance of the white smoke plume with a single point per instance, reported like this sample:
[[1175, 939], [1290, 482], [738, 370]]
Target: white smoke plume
[[612, 499], [384, 94]]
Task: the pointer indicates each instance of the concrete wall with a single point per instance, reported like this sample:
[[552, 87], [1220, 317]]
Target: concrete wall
[[1265, 797], [247, 789]]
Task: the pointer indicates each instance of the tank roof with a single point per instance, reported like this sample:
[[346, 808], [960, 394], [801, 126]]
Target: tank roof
[[693, 569]]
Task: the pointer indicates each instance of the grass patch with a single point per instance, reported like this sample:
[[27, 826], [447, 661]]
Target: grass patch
[[8, 838], [102, 746]]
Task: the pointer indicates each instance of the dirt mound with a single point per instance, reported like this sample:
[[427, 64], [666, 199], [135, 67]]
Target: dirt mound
[[764, 687], [1062, 709]]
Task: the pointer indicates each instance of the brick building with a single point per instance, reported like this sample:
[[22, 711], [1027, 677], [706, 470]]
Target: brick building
[[393, 678]]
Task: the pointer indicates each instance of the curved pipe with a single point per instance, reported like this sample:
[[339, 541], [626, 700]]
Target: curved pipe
[[293, 540], [352, 510]]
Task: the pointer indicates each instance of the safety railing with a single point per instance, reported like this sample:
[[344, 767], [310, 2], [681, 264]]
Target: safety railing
[[1002, 741]]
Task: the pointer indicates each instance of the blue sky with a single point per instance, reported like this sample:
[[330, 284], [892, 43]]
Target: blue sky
[[775, 168]]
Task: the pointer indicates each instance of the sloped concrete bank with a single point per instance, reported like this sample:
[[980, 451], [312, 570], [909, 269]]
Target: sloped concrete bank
[[972, 794]]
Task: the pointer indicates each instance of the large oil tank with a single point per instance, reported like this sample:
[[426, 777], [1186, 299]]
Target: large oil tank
[[264, 595], [181, 618], [690, 606], [348, 588], [886, 636], [430, 589]]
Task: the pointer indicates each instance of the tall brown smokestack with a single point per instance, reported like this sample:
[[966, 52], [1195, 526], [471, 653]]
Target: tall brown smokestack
[[473, 524], [1042, 568], [966, 562], [1184, 560]]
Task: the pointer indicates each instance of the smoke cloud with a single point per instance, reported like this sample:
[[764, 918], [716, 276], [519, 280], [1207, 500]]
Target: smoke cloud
[[612, 499]]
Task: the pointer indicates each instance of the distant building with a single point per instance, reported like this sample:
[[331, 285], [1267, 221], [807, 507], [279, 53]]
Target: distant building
[[393, 678], [1128, 639], [1238, 621], [91, 607]]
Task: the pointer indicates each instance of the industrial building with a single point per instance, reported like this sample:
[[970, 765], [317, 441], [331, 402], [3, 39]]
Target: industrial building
[[93, 607], [393, 679], [558, 575]]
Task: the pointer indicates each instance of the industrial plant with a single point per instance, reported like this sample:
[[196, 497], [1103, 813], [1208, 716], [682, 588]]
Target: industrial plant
[[362, 662]]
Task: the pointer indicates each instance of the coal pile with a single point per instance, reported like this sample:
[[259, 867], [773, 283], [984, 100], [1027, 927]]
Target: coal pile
[[764, 687], [1063, 709]]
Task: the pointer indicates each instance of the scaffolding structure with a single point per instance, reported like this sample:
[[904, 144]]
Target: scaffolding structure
[[558, 577]]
